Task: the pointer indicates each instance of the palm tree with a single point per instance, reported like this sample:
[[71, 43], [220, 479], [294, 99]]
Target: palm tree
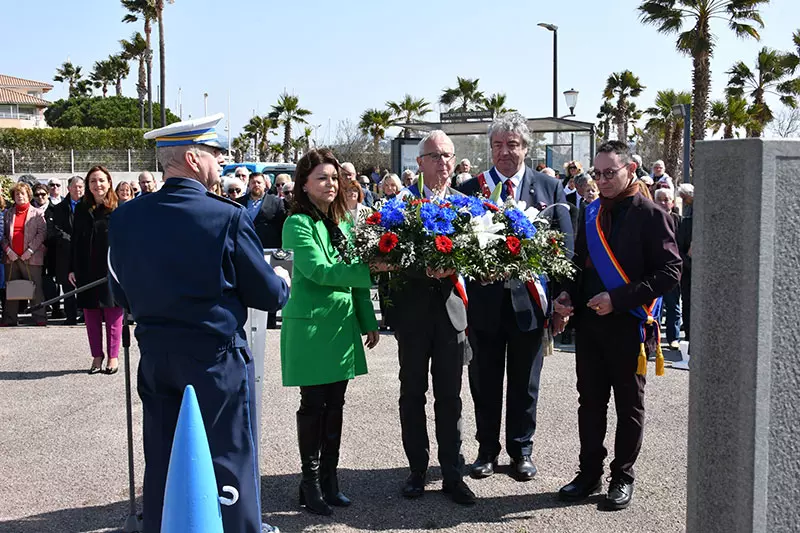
[[669, 126], [606, 116], [728, 115], [410, 110], [120, 70], [669, 17], [259, 129], [298, 145], [136, 49], [496, 103], [69, 73], [102, 75], [241, 145], [375, 122], [307, 131], [624, 85], [162, 56], [773, 70], [147, 11], [466, 91], [275, 151], [83, 88], [285, 113]]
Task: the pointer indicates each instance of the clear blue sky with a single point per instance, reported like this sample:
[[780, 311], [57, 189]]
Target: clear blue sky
[[343, 57]]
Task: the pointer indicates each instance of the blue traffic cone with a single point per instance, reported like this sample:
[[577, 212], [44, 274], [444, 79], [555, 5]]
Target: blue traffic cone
[[191, 503]]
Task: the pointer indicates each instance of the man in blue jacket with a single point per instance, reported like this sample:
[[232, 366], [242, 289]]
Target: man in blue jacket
[[209, 269]]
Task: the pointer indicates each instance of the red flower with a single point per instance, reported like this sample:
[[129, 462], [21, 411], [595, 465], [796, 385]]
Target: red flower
[[513, 245], [388, 242], [444, 244], [553, 241], [420, 201], [374, 219], [491, 207]]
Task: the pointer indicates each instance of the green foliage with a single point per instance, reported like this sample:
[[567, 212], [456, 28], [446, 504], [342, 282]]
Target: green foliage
[[98, 112], [74, 139], [5, 188]]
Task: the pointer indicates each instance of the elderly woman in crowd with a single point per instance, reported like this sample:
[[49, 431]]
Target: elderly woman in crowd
[[354, 196], [124, 192], [233, 187], [327, 313], [390, 186], [25, 230], [89, 263], [671, 307], [43, 200]]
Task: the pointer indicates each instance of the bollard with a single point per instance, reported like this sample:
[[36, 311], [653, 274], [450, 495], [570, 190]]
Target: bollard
[[191, 503]]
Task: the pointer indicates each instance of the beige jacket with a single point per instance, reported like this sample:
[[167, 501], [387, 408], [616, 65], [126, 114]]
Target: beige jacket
[[35, 233]]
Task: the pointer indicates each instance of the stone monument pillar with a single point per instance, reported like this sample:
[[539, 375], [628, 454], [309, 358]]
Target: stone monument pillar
[[744, 387]]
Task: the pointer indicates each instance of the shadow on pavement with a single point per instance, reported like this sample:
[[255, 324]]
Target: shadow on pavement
[[107, 518], [39, 374], [378, 505]]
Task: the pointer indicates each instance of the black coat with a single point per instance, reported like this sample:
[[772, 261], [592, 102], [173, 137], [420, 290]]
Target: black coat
[[90, 255], [269, 221], [59, 233]]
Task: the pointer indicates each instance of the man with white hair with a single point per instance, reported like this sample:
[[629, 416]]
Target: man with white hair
[[242, 173], [349, 173], [671, 302], [408, 177], [429, 316], [466, 166], [507, 323], [190, 317]]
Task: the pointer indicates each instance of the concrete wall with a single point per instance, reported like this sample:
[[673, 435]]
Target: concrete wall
[[744, 400]]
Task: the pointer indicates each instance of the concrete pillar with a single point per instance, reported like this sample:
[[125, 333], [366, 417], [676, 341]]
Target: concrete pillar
[[744, 388]]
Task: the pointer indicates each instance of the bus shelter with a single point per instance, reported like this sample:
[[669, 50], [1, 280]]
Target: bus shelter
[[555, 141]]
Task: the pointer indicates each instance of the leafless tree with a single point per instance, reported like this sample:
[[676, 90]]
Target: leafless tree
[[786, 123]]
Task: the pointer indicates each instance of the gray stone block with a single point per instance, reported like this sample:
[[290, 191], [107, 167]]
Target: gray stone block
[[744, 392]]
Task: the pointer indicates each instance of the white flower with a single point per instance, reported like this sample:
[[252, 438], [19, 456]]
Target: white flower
[[486, 229], [531, 213]]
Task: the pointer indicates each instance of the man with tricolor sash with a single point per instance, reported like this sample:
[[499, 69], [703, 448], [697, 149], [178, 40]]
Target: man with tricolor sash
[[627, 258], [509, 319]]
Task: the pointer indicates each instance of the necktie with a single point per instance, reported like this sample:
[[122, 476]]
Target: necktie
[[508, 189]]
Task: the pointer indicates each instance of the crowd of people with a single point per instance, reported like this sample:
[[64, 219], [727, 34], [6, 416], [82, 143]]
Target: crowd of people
[[62, 242]]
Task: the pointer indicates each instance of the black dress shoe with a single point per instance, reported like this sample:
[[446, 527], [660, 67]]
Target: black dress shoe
[[459, 492], [522, 468], [619, 495], [583, 486], [415, 485], [483, 467]]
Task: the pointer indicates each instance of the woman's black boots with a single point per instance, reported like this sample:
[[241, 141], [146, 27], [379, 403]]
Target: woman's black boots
[[329, 458], [309, 431]]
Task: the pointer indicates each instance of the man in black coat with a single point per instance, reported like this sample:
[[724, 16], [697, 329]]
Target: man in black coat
[[268, 213], [60, 232], [507, 324], [608, 344], [429, 317]]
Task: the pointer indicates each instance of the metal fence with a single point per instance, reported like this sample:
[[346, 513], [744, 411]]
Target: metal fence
[[75, 161]]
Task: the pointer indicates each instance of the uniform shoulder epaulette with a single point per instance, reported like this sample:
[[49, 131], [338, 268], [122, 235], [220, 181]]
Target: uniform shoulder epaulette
[[223, 199]]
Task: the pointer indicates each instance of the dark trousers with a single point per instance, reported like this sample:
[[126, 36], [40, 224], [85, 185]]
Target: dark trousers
[[70, 304], [517, 355], [431, 342], [51, 290], [606, 353], [671, 303], [223, 381], [317, 399], [686, 294]]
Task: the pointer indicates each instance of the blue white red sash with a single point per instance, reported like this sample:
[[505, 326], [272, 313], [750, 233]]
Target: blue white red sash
[[613, 276]]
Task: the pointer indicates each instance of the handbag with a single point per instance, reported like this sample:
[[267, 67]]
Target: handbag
[[20, 289]]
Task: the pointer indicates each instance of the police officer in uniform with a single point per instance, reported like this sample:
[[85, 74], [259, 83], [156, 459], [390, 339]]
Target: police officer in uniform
[[190, 316]]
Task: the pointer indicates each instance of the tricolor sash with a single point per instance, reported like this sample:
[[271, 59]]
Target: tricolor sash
[[613, 276]]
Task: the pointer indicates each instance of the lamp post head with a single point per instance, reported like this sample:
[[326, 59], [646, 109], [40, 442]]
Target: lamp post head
[[545, 25], [681, 110], [571, 97]]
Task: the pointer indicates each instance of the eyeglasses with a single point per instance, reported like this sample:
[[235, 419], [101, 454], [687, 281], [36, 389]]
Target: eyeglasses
[[41, 194], [607, 174], [572, 168], [438, 157], [234, 190], [55, 185], [241, 176]]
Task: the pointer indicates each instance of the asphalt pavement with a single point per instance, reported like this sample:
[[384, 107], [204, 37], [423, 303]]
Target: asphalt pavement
[[63, 458]]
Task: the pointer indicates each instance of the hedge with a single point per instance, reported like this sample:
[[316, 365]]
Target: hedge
[[74, 139]]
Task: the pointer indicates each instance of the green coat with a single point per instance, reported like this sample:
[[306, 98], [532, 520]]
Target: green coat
[[329, 308]]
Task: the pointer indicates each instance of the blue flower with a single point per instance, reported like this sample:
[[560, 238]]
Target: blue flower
[[519, 223], [393, 213], [472, 204], [437, 219]]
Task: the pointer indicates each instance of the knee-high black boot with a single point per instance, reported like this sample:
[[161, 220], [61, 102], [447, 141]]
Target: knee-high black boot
[[329, 458], [308, 439]]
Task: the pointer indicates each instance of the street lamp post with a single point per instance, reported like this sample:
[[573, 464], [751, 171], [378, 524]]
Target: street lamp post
[[205, 104], [571, 97], [553, 28], [685, 111]]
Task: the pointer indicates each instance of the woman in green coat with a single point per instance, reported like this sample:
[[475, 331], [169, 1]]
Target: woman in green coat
[[328, 311]]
